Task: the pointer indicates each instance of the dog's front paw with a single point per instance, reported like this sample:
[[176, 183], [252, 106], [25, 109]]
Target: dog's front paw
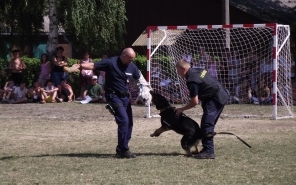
[[188, 155], [154, 135], [195, 152]]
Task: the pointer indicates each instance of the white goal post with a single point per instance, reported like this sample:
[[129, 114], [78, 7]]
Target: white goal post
[[252, 61]]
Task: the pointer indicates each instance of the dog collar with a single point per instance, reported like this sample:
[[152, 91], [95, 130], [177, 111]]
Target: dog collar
[[161, 110]]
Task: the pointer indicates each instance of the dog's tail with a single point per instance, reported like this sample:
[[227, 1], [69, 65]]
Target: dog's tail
[[228, 133]]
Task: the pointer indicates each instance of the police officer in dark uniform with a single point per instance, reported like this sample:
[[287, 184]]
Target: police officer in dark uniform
[[213, 96], [118, 70]]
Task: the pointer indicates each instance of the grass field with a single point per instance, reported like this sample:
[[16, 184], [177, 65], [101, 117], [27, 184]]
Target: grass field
[[58, 144]]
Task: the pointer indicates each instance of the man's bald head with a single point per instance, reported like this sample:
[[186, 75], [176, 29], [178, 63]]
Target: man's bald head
[[183, 64], [127, 56], [182, 67]]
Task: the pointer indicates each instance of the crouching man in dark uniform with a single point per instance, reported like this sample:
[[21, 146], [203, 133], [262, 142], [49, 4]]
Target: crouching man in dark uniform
[[202, 86], [118, 71]]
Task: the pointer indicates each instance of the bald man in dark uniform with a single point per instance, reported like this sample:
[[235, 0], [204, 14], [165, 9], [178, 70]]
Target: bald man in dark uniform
[[204, 87], [118, 70]]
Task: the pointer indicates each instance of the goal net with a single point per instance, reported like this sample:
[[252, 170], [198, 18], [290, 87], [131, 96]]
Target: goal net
[[253, 62]]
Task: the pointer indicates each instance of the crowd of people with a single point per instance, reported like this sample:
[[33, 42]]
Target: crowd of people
[[247, 78], [52, 86]]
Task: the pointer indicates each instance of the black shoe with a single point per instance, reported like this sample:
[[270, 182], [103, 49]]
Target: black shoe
[[204, 155], [126, 154]]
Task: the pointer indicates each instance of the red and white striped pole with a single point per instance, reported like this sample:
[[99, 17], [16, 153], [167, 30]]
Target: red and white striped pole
[[148, 51], [274, 73]]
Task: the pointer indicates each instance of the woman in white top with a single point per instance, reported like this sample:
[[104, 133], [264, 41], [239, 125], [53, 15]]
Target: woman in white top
[[85, 75]]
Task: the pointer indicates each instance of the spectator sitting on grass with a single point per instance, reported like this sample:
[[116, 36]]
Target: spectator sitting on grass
[[93, 92], [244, 93], [35, 92], [65, 92], [8, 91], [20, 94], [264, 94], [48, 93]]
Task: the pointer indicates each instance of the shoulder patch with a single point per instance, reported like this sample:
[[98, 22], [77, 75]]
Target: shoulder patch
[[203, 73]]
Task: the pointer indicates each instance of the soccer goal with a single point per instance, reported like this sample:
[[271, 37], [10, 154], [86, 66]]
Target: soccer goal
[[252, 61]]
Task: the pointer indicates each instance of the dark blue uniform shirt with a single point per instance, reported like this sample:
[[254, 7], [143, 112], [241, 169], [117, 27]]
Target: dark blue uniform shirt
[[193, 89], [117, 74]]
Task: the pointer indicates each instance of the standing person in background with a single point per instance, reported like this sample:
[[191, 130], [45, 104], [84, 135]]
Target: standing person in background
[[101, 79], [3, 73], [45, 68], [59, 62], [253, 66], [101, 76], [187, 56], [203, 58], [118, 70], [84, 75], [204, 87], [16, 66], [212, 66]]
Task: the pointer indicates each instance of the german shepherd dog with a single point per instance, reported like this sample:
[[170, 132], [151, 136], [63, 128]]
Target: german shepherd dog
[[182, 124]]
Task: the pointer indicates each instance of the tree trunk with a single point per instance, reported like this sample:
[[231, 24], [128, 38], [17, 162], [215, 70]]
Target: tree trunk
[[52, 41]]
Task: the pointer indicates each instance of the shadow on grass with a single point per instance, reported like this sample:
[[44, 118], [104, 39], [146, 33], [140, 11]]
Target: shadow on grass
[[86, 155]]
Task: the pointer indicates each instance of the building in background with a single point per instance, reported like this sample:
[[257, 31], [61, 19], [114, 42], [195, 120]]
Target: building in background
[[141, 14]]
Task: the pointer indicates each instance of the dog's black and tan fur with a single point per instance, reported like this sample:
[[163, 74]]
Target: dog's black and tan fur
[[182, 125]]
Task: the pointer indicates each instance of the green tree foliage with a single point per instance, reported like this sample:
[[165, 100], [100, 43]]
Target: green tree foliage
[[96, 25], [22, 19]]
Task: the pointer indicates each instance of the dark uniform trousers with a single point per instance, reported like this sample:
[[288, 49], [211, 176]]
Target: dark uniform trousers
[[213, 97], [212, 110], [123, 118]]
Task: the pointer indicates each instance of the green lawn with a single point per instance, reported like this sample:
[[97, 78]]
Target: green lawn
[[57, 144]]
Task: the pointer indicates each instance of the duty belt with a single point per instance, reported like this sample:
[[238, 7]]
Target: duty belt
[[119, 94]]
